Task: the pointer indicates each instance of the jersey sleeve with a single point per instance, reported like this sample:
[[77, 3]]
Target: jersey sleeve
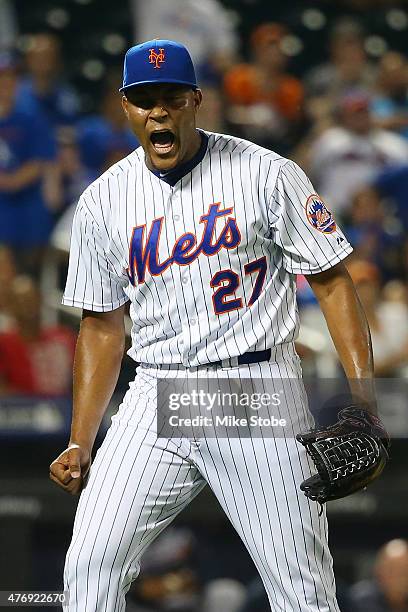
[[93, 283], [303, 225]]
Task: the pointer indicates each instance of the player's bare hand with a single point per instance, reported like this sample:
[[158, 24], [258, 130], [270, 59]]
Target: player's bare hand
[[69, 470]]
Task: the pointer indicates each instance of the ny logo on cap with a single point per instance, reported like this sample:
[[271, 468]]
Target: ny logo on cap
[[156, 58]]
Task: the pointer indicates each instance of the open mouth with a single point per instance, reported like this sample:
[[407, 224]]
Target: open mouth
[[162, 141]]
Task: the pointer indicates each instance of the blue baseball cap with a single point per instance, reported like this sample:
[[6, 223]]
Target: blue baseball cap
[[158, 61]]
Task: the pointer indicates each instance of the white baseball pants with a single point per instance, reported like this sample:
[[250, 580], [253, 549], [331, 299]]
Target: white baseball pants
[[138, 483]]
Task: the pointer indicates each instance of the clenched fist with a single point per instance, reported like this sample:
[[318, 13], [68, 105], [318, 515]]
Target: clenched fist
[[70, 468]]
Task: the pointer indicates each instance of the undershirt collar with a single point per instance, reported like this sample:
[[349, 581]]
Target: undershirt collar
[[175, 174]]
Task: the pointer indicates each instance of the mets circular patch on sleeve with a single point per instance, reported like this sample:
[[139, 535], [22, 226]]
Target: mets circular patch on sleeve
[[319, 216]]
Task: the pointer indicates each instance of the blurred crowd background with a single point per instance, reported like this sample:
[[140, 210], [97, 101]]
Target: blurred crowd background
[[323, 82]]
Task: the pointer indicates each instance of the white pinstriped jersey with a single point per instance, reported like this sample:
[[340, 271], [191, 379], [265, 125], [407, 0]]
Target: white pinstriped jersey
[[208, 264]]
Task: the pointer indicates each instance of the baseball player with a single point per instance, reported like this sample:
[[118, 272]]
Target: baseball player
[[203, 234]]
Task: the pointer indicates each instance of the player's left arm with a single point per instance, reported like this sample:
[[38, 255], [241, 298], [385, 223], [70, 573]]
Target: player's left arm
[[351, 453], [348, 328]]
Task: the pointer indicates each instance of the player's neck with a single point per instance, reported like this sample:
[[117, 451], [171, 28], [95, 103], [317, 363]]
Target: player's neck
[[195, 144]]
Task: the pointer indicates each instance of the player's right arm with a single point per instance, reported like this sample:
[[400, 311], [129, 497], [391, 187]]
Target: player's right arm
[[95, 283], [98, 356]]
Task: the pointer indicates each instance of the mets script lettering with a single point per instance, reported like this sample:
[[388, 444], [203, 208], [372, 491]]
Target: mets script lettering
[[144, 254]]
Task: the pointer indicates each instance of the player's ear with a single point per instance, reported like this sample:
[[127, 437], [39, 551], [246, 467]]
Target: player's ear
[[125, 106], [198, 98]]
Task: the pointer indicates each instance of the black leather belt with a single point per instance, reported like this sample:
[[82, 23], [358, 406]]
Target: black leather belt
[[250, 357], [229, 362]]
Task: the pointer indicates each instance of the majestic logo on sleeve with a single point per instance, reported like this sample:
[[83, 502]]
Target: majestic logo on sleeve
[[156, 58], [144, 253], [319, 216]]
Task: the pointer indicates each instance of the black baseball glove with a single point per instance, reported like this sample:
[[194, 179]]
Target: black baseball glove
[[348, 455]]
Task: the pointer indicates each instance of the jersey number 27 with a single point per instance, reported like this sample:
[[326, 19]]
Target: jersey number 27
[[227, 282]]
